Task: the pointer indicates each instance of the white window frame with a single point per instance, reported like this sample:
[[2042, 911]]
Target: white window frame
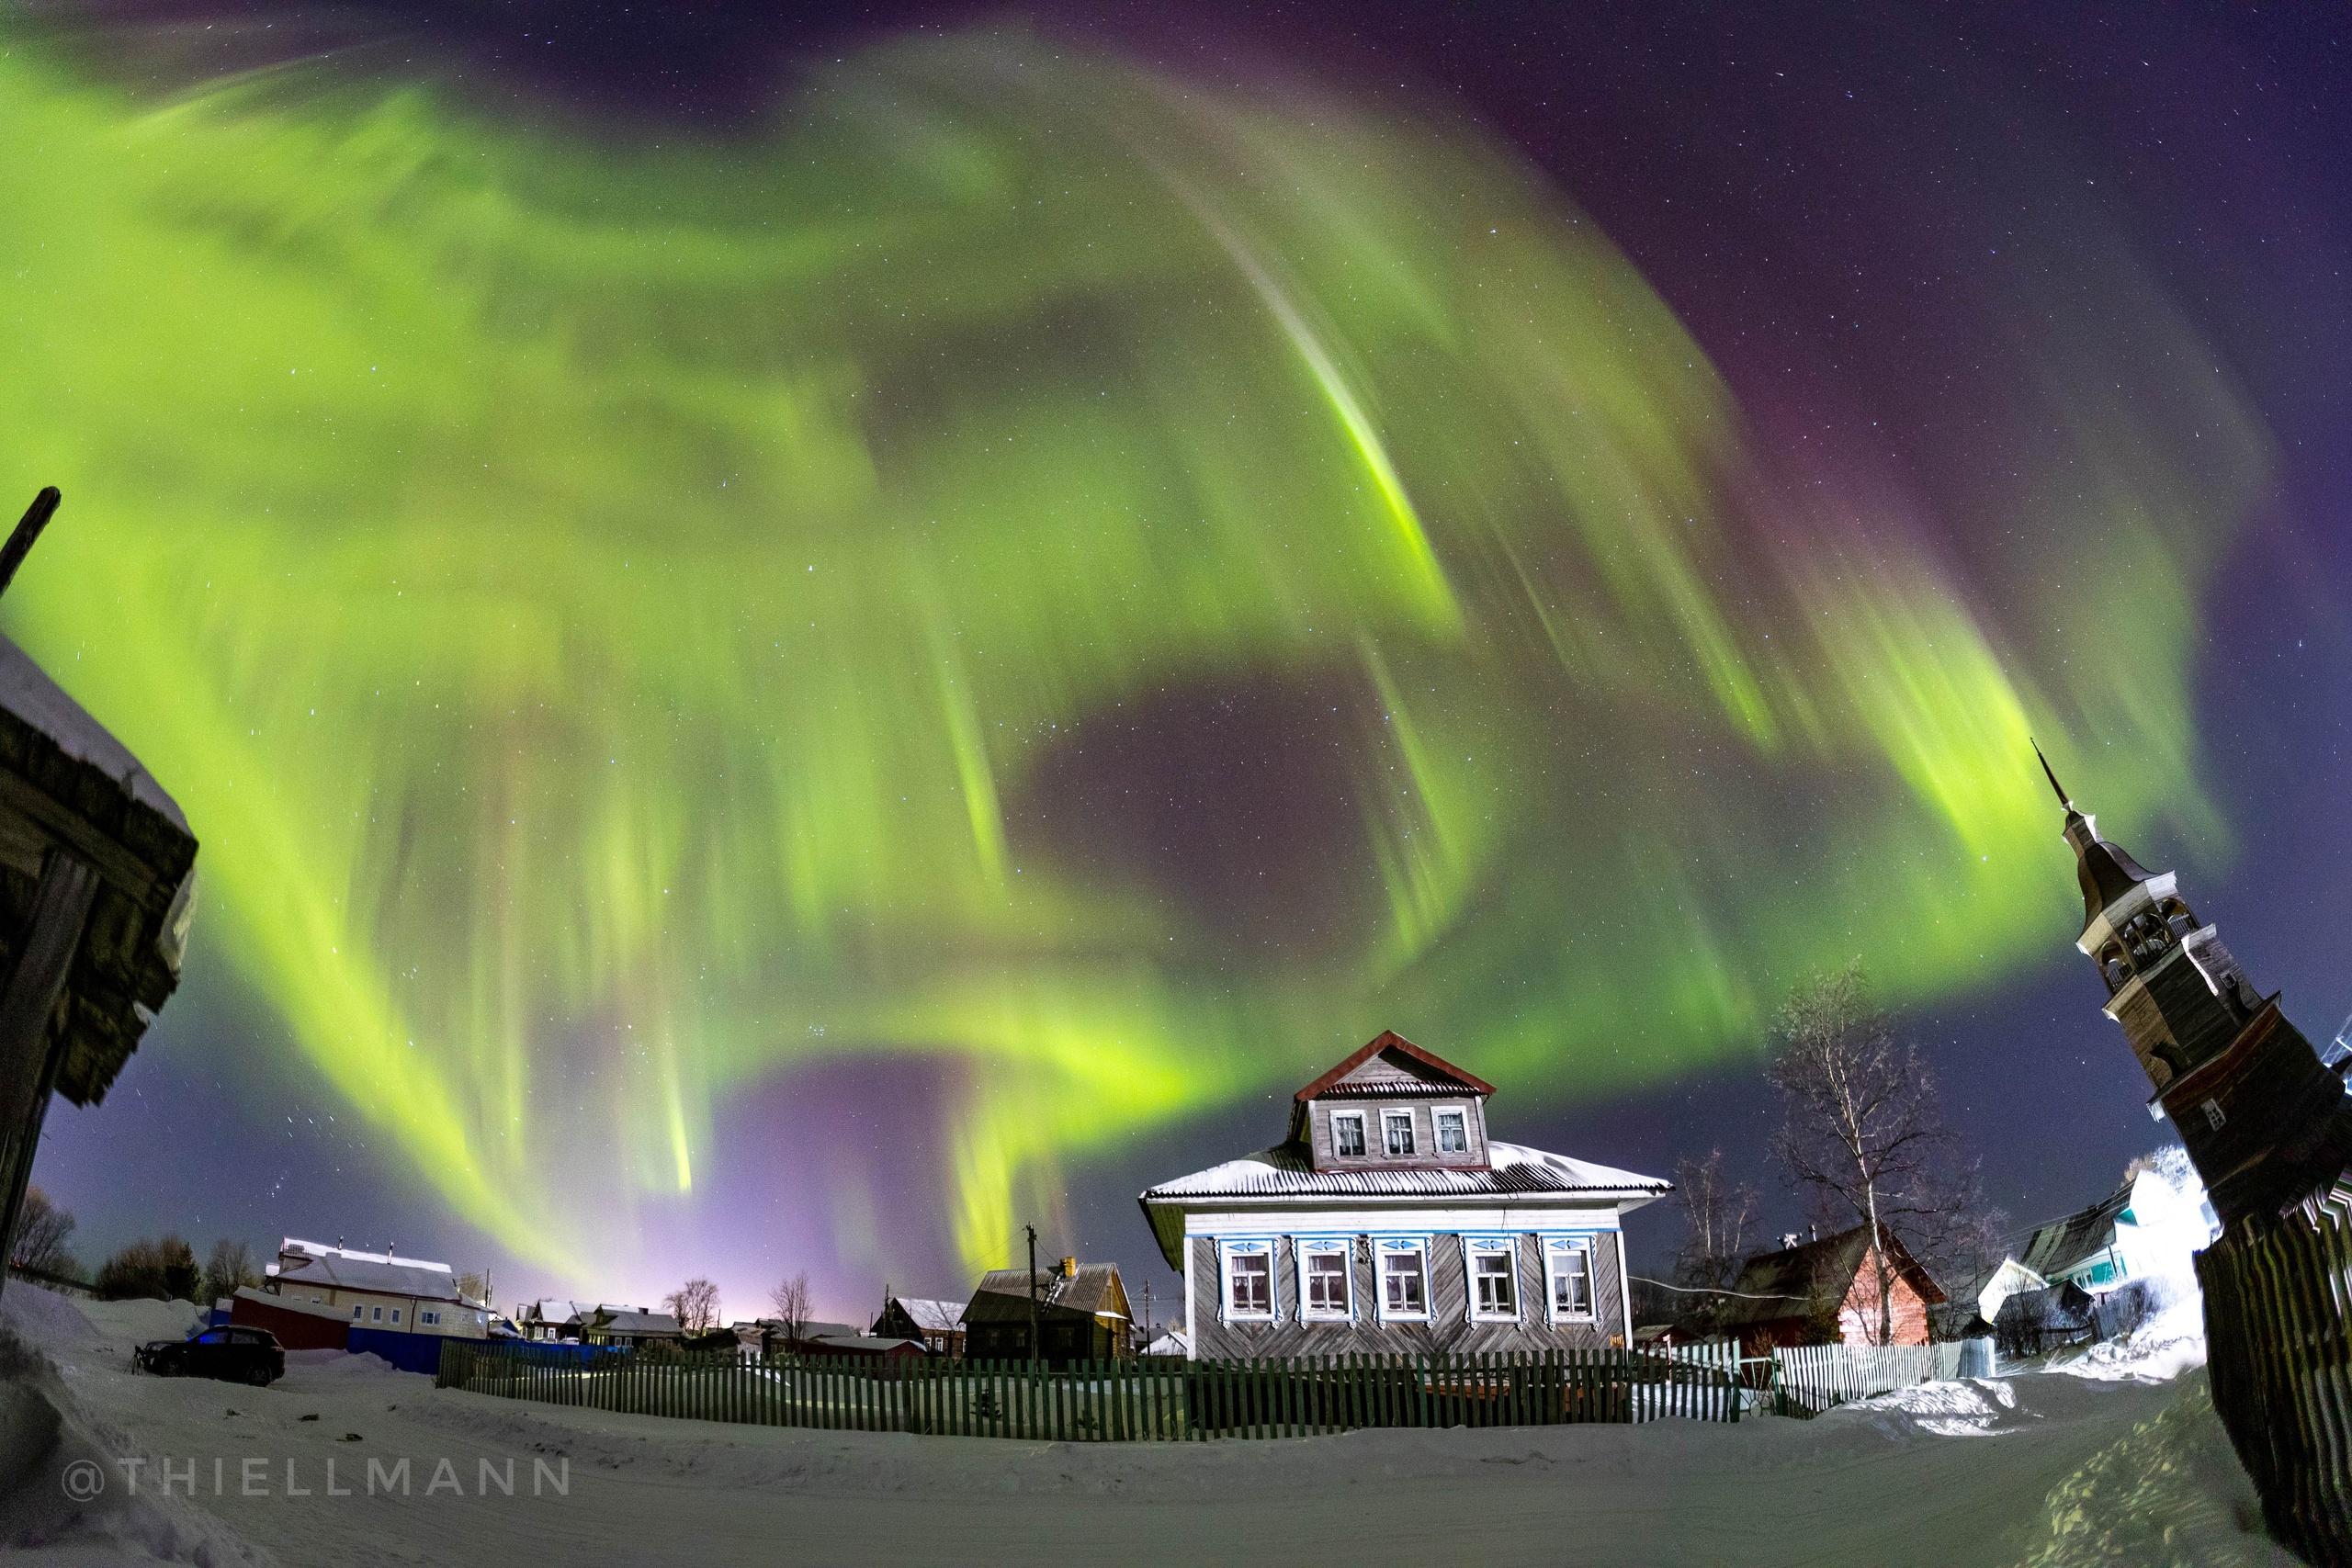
[[358, 1311], [1364, 1142], [377, 1316], [430, 1318], [396, 1314], [1344, 1251], [1556, 1250], [1388, 1119], [1417, 1247], [1473, 1247], [1226, 1251], [1437, 1137]]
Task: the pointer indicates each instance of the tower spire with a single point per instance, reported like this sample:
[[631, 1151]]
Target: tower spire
[[2056, 788]]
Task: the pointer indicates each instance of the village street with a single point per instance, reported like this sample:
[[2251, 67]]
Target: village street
[[2048, 1469]]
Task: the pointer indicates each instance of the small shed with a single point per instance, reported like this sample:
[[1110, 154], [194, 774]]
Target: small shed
[[2051, 1318]]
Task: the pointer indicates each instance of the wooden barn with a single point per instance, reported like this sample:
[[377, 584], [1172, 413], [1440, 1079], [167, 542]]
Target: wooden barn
[[97, 874], [937, 1326], [1826, 1292], [1389, 1221], [1082, 1314]]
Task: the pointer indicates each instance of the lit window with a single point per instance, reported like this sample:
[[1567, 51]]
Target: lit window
[[1347, 1133], [1452, 1132], [1323, 1273], [1494, 1284], [1569, 1266], [1248, 1279], [1404, 1280], [1396, 1129]]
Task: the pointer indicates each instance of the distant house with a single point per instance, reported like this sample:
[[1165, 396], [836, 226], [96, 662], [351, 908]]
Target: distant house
[[1826, 1292], [1972, 1309], [1172, 1341], [552, 1318], [375, 1289], [1082, 1314], [2146, 1227], [1388, 1220], [624, 1325], [937, 1326]]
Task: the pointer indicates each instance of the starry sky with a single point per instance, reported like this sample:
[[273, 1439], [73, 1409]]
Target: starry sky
[[796, 640]]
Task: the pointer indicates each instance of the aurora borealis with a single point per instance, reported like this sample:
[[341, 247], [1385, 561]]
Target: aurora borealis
[[1029, 595]]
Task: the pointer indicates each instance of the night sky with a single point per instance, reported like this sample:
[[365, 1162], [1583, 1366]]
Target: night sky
[[797, 641]]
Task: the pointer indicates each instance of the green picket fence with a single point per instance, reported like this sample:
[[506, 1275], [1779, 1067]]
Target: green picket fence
[[1153, 1398]]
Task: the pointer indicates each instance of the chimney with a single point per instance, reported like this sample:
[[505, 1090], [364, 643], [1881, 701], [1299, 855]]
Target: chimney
[[1069, 1267]]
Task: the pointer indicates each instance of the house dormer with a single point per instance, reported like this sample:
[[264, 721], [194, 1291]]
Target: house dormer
[[1393, 1106]]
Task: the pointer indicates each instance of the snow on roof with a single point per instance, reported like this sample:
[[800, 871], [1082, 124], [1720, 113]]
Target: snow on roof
[[1004, 1292], [939, 1318], [1513, 1168], [2066, 1243], [27, 692], [367, 1271], [628, 1320]]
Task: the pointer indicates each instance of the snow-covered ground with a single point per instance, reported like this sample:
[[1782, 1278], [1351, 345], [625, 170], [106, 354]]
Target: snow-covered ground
[[2045, 1468]]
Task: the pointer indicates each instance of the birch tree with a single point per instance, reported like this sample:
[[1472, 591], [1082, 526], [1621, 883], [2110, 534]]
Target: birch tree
[[1861, 1132]]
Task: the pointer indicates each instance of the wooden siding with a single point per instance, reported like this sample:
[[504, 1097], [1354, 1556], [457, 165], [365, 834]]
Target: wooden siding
[[1376, 1156], [1449, 1328]]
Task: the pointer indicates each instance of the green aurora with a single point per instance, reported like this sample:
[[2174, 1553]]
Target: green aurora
[[615, 613]]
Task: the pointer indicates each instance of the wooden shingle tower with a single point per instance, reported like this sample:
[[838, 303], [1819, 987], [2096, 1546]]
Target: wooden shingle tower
[[2266, 1122]]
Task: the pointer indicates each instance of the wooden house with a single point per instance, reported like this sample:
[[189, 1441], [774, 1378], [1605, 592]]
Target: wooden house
[[374, 1291], [1082, 1314], [2146, 1227], [625, 1325], [1388, 1220], [97, 875], [1826, 1292], [936, 1326]]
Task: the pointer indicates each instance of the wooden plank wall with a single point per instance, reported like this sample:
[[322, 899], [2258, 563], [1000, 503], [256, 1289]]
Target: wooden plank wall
[[2278, 1355], [1449, 1328]]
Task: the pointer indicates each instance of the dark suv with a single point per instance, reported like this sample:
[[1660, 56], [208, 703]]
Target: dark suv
[[230, 1353]]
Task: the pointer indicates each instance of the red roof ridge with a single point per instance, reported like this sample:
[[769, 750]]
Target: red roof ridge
[[1389, 1040]]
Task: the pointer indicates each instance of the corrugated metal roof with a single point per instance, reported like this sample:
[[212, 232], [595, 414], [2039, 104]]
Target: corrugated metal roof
[[2065, 1242], [1284, 1171], [345, 1271], [939, 1318], [1003, 1293]]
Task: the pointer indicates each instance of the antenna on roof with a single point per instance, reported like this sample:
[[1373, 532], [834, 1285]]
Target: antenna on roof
[[36, 518]]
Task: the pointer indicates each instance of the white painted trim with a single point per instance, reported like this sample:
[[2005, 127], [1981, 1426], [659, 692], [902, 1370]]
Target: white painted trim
[[1191, 1307], [1362, 1135], [1304, 1247], [1393, 1247], [1473, 1249], [1557, 1248], [1624, 1294], [1250, 1247], [1437, 1144], [1412, 1127], [1501, 1219]]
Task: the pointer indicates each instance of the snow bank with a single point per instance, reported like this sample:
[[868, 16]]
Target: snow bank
[[50, 1446], [2167, 1345]]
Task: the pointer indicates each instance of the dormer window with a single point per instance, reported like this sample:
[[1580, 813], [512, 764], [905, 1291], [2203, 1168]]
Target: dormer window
[[1452, 1131], [1396, 1132], [1347, 1133]]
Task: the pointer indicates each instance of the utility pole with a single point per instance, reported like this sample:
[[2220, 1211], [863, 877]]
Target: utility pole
[[1146, 1318], [1032, 1295]]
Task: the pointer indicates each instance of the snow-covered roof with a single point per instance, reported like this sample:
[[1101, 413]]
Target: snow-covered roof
[[1286, 1171], [938, 1317], [1511, 1169], [627, 1320], [315, 1263]]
